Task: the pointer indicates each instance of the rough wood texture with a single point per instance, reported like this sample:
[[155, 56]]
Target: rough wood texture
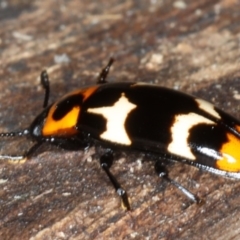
[[188, 45]]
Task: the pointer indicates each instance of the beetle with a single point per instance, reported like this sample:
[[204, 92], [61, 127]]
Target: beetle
[[166, 124]]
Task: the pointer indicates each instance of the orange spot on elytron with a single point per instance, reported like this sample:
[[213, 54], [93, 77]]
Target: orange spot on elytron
[[64, 126], [230, 150]]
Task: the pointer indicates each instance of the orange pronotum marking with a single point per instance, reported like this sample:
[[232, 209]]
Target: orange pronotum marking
[[230, 150]]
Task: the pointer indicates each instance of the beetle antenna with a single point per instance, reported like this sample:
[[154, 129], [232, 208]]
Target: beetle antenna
[[21, 133], [103, 75], [45, 83], [14, 159]]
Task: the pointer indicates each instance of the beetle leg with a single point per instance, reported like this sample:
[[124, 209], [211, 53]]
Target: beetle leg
[[160, 168], [33, 149], [106, 161], [103, 75], [45, 83], [13, 159], [21, 158]]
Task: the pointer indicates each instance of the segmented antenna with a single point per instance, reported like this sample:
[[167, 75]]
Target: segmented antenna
[[14, 159], [21, 133]]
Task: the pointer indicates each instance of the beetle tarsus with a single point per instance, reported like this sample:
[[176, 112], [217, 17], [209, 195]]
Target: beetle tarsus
[[13, 159], [21, 158]]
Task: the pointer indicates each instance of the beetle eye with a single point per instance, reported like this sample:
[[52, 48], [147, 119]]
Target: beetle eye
[[37, 131]]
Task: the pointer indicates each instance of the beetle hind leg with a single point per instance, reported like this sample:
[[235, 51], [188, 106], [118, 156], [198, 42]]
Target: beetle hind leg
[[106, 161], [160, 168]]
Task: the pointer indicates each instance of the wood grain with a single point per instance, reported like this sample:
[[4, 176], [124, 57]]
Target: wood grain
[[188, 45]]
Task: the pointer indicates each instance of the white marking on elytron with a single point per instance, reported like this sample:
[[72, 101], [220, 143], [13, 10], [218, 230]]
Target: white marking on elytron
[[116, 116], [207, 107], [209, 152], [180, 132]]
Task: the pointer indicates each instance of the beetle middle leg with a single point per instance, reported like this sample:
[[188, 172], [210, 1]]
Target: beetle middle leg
[[22, 158], [106, 161]]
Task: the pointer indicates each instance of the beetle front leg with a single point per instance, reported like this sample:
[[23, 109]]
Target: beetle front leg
[[21, 158], [106, 161]]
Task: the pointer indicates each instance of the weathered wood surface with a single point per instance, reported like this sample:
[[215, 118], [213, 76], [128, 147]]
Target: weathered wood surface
[[189, 45]]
